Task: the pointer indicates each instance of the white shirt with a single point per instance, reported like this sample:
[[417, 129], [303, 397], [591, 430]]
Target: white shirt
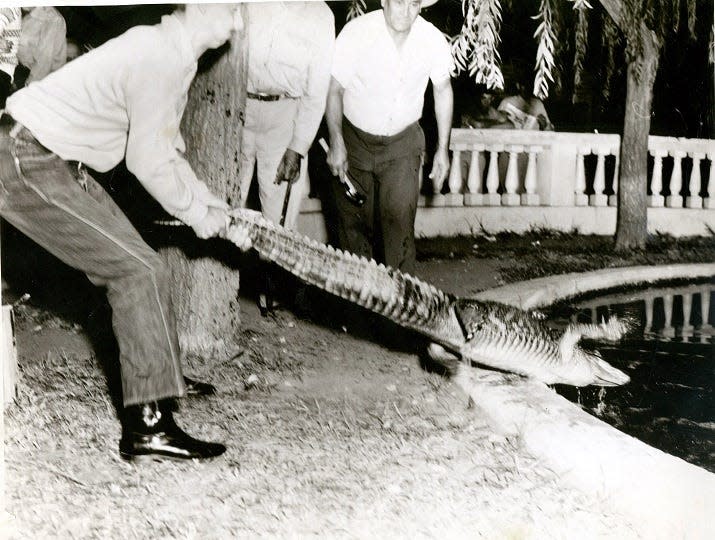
[[290, 51], [384, 87], [125, 98]]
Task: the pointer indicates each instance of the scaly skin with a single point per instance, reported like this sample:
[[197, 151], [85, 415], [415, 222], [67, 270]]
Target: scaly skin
[[488, 333]]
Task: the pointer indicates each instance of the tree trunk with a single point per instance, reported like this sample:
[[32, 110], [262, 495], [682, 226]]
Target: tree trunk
[[632, 222], [205, 277]]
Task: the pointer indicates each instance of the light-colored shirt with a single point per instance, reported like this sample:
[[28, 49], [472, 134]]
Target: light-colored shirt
[[384, 86], [43, 42], [524, 114], [125, 98], [290, 50], [10, 28]]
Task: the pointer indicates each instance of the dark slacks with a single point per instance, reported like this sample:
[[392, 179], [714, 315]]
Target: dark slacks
[[40, 195], [386, 171]]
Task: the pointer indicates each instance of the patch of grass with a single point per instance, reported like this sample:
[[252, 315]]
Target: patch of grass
[[542, 253]]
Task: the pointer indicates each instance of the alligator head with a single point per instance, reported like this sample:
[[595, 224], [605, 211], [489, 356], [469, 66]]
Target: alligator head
[[488, 333]]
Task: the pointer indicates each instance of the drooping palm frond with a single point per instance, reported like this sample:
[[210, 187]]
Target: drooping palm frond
[[692, 4], [580, 4], [475, 47], [610, 37], [675, 8], [545, 50], [580, 48], [357, 8]]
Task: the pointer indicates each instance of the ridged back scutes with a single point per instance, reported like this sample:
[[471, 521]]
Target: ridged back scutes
[[401, 297]]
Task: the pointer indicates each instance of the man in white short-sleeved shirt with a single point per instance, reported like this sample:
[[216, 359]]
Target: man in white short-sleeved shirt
[[382, 63]]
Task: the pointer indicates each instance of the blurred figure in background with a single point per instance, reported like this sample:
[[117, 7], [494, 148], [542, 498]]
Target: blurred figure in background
[[481, 113], [290, 50], [10, 28], [43, 42], [524, 110]]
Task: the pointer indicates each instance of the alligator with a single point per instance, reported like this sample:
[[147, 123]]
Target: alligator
[[472, 331]]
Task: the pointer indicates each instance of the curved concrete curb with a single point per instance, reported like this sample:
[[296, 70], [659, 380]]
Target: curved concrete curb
[[661, 495], [545, 291]]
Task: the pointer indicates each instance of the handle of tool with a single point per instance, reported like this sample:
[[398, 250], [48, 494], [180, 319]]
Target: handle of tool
[[343, 177], [286, 200]]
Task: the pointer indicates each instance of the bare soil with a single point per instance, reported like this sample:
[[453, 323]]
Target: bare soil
[[330, 434]]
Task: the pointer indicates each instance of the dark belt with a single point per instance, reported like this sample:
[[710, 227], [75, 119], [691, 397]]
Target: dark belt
[[264, 97]]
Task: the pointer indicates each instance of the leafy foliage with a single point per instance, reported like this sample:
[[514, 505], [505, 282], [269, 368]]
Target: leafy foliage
[[475, 47], [545, 34], [357, 8], [581, 46], [610, 37]]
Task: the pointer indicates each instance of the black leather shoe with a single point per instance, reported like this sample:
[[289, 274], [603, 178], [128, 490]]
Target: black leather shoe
[[150, 433], [198, 388]]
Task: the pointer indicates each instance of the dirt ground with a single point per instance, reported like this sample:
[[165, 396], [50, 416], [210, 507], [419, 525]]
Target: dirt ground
[[329, 435]]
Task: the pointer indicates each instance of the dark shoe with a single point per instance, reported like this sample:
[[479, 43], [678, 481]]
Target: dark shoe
[[267, 305], [150, 433], [198, 388]]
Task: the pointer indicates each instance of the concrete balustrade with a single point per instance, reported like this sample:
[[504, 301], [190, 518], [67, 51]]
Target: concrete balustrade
[[517, 180]]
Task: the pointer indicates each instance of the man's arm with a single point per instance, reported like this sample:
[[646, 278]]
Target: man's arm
[[337, 155], [443, 104], [48, 52], [152, 154], [311, 105]]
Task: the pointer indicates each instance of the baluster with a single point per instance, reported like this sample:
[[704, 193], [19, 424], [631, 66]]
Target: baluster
[[580, 197], [613, 199], [474, 196], [531, 198], [694, 200], [510, 197], [675, 199], [668, 329], [599, 181], [656, 199], [455, 181], [649, 307], [705, 328], [709, 202], [687, 314], [705, 307], [492, 198]]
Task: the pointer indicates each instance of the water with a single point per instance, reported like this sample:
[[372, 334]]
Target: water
[[670, 357]]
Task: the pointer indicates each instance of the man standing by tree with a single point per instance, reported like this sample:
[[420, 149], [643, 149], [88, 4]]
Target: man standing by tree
[[124, 99], [290, 49], [381, 67]]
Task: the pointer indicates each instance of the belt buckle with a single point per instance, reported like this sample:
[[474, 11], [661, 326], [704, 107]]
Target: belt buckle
[[261, 96]]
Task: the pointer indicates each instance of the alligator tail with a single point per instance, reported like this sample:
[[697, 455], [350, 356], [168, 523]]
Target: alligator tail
[[402, 298]]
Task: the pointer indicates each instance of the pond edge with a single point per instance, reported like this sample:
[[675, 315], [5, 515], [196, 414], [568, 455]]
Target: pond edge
[[660, 495]]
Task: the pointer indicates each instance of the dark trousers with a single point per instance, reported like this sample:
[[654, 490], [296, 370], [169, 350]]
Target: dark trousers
[[386, 171], [5, 88], [41, 196]]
